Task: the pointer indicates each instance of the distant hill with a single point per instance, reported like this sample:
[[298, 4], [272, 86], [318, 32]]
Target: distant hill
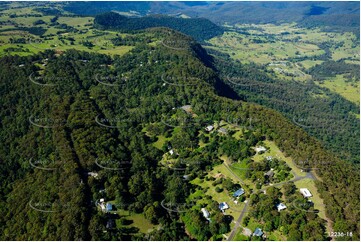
[[199, 28], [93, 8], [320, 14]]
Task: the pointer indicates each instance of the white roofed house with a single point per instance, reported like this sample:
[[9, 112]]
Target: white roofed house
[[93, 174], [305, 192], [205, 213], [223, 206], [209, 128], [260, 149], [281, 206]]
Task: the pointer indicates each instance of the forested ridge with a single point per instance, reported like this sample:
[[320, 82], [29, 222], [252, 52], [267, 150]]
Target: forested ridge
[[143, 88], [199, 28]]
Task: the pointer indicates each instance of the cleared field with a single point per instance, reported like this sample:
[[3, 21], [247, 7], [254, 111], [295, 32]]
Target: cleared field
[[349, 90], [76, 21], [274, 151], [260, 49], [160, 142], [310, 63], [137, 220], [289, 51], [57, 37], [318, 202]]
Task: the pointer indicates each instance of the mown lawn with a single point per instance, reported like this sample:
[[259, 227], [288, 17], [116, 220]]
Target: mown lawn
[[138, 220], [316, 199]]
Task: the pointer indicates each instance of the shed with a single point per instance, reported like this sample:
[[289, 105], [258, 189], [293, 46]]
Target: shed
[[205, 213], [305, 192]]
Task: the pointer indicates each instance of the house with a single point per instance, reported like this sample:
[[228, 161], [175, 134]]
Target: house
[[305, 192], [223, 206], [93, 174], [269, 158], [109, 207], [281, 206], [269, 174], [21, 65], [209, 128], [101, 200], [238, 193], [222, 130], [171, 152], [205, 213], [260, 149], [258, 232]]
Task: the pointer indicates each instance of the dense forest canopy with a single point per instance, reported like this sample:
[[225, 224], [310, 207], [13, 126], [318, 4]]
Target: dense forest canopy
[[199, 28]]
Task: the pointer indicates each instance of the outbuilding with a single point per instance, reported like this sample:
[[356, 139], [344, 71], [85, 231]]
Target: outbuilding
[[305, 192]]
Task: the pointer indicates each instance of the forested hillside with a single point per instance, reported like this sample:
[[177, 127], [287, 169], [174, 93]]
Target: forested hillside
[[323, 114], [199, 28], [89, 112]]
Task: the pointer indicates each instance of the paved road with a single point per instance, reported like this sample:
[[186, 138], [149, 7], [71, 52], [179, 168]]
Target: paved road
[[235, 228]]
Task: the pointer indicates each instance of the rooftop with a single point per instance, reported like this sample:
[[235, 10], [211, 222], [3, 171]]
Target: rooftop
[[305, 192], [281, 206], [209, 128], [238, 193], [260, 149], [205, 213], [109, 207], [258, 232], [223, 206], [269, 173]]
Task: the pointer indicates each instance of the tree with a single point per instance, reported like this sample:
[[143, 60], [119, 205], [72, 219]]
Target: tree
[[294, 234]]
